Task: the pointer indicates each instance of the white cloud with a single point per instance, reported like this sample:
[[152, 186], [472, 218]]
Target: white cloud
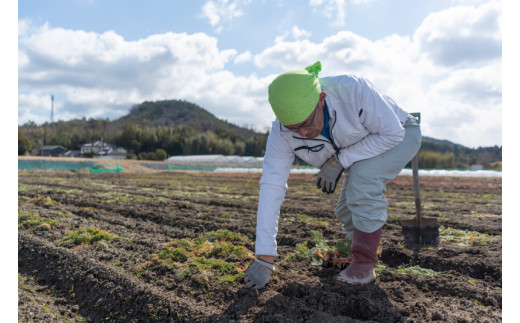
[[462, 34], [298, 33], [244, 57], [331, 9], [344, 46], [24, 26], [480, 87], [295, 33], [220, 11], [28, 103]]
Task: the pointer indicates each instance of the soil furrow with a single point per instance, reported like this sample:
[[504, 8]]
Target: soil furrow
[[101, 292]]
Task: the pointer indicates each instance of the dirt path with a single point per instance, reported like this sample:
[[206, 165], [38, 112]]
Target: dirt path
[[161, 262]]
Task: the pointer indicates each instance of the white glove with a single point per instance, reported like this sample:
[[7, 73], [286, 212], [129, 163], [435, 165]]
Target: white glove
[[258, 274], [329, 175]]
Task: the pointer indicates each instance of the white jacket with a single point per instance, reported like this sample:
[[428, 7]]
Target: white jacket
[[363, 124]]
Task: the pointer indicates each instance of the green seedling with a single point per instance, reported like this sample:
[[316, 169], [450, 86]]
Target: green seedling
[[343, 246], [89, 235], [479, 303], [322, 254], [31, 220], [405, 270], [465, 237], [395, 217], [214, 257], [301, 251], [45, 200], [223, 234], [303, 218], [65, 213], [26, 188], [416, 270]]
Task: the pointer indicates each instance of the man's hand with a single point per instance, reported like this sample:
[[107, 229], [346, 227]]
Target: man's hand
[[258, 274], [329, 175]]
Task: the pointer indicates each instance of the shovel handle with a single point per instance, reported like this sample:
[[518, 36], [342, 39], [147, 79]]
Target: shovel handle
[[415, 172], [416, 193]]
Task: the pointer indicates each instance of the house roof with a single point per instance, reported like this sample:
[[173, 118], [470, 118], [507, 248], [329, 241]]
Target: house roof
[[52, 147], [113, 152], [96, 144]]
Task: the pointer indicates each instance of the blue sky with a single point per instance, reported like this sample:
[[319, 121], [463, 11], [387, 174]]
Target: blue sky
[[441, 58]]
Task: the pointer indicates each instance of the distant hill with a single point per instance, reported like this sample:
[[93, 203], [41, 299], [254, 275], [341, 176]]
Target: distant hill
[[178, 113], [440, 145], [183, 128], [489, 157]]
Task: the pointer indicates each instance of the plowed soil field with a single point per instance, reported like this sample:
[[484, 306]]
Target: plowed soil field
[[172, 247]]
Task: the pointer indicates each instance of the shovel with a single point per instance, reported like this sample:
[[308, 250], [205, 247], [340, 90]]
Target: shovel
[[421, 230]]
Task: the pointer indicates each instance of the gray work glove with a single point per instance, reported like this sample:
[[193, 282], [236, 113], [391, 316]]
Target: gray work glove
[[258, 274], [329, 175]]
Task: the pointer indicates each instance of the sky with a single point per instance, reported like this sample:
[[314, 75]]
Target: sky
[[441, 58]]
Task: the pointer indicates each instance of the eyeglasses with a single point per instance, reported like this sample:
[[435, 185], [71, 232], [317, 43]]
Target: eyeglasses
[[303, 126]]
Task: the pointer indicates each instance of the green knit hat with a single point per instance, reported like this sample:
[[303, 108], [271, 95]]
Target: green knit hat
[[294, 94]]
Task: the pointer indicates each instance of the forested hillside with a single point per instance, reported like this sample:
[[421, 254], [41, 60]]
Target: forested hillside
[[446, 154], [178, 127], [184, 128]]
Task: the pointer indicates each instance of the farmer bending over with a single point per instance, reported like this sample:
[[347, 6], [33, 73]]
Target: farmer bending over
[[338, 124]]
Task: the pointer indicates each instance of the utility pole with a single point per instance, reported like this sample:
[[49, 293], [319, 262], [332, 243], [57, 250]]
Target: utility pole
[[52, 106]]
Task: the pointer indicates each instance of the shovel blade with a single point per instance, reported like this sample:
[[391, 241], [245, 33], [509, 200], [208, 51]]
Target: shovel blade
[[426, 233]]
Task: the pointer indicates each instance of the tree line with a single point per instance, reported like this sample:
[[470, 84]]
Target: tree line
[[160, 142], [140, 142]]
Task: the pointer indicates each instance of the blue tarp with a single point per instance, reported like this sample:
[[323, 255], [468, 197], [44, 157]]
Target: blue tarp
[[58, 164]]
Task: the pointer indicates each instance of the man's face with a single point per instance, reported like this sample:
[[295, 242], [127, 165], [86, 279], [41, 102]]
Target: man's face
[[312, 126]]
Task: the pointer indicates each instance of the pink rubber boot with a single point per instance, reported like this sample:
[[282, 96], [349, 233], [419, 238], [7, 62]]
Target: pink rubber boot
[[364, 252]]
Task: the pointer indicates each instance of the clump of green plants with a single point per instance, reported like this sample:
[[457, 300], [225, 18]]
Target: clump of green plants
[[121, 197], [34, 222], [406, 270], [213, 257], [64, 213], [302, 250], [26, 188], [465, 237], [45, 201], [88, 235], [226, 235], [304, 218], [322, 254]]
